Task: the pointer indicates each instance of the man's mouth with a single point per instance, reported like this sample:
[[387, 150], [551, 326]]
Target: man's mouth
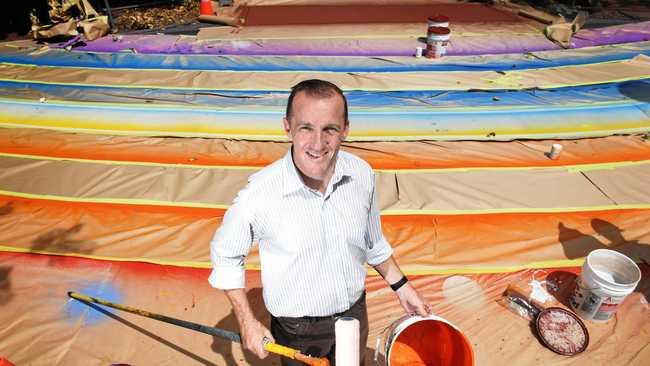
[[315, 156]]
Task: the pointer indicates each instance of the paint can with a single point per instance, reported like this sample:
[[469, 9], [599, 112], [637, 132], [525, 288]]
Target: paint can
[[437, 41], [607, 278], [556, 150], [438, 20], [416, 340]]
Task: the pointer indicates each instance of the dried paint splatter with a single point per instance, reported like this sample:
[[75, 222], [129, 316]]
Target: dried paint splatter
[[79, 311]]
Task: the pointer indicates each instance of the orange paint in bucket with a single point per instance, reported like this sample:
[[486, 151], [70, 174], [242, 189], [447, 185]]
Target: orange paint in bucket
[[430, 341]]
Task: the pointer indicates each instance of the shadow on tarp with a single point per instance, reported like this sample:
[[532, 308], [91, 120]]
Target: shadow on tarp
[[637, 89], [149, 334], [61, 240], [578, 245], [225, 347], [5, 285], [6, 209]]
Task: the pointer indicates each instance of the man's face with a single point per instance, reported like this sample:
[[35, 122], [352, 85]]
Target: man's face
[[317, 128]]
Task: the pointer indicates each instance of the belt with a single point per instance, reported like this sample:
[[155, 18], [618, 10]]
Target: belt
[[313, 319]]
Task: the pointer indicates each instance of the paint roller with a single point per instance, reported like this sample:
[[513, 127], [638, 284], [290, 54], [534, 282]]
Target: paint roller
[[218, 332]]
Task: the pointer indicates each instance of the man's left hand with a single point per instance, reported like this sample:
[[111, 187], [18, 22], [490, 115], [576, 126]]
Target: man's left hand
[[411, 301]]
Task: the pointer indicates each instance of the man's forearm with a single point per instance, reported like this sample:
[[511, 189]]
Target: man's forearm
[[389, 270], [240, 305]]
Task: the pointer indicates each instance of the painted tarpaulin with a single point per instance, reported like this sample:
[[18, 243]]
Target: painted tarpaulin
[[585, 74], [402, 156], [34, 54], [118, 161], [75, 331], [472, 43], [377, 101]]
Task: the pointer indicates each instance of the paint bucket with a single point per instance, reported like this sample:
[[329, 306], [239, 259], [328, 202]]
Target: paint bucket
[[438, 21], [437, 40], [415, 340], [607, 278]]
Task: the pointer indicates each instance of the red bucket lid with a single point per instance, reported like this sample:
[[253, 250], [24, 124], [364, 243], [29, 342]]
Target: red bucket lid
[[438, 30], [439, 18]]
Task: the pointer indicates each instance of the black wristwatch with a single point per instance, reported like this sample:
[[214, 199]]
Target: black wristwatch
[[397, 285]]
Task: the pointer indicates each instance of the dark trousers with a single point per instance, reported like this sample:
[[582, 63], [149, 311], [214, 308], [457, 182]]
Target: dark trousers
[[314, 336]]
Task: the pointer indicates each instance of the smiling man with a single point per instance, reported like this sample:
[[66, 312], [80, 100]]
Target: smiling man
[[315, 218]]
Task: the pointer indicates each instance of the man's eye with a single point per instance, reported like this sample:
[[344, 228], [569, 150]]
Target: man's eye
[[332, 130], [305, 128]]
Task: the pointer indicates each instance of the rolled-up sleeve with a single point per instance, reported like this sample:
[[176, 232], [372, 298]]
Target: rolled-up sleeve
[[378, 249], [231, 244]]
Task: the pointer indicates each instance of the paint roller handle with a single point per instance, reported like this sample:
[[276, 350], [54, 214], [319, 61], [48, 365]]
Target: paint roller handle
[[232, 336], [222, 333], [294, 354]]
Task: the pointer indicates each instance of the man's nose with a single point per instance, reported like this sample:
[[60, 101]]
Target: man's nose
[[318, 140]]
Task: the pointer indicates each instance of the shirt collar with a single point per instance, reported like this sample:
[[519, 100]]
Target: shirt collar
[[292, 181]]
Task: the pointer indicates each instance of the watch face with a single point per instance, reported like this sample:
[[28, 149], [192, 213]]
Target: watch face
[[562, 331]]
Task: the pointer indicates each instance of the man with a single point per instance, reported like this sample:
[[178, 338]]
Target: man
[[315, 218]]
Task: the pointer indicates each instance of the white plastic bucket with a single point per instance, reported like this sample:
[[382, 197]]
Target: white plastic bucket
[[415, 340], [607, 278]]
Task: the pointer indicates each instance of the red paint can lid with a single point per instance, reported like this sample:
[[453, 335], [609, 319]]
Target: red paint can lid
[[439, 18], [438, 30]]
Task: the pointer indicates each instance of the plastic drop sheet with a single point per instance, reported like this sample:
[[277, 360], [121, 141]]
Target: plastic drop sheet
[[41, 325]]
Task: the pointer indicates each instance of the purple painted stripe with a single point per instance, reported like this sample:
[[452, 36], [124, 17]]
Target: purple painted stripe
[[498, 44], [637, 32]]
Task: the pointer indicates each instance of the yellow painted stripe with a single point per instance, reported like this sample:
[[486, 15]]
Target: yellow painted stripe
[[122, 201], [571, 168], [149, 133], [130, 163], [556, 263], [281, 110], [187, 264], [538, 134], [256, 267], [398, 212], [388, 212], [198, 88]]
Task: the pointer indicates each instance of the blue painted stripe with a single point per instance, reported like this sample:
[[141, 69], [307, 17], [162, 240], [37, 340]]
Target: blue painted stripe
[[623, 92], [62, 58]]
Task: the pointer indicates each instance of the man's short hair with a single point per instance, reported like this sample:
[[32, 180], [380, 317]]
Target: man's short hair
[[318, 89]]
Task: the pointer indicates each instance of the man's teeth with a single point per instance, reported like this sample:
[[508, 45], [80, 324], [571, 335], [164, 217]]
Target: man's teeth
[[315, 156]]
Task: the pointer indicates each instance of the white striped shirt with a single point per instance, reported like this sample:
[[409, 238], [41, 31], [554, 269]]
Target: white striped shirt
[[312, 247]]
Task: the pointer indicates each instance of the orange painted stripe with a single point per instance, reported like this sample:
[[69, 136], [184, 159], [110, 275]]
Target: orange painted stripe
[[420, 241], [381, 155]]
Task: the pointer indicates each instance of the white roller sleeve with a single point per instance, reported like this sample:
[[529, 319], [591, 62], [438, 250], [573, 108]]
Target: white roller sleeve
[[347, 341]]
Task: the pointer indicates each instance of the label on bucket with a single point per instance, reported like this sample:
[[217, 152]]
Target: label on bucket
[[592, 303]]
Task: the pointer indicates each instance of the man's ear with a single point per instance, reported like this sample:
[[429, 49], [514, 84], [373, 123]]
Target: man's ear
[[346, 130], [287, 126]]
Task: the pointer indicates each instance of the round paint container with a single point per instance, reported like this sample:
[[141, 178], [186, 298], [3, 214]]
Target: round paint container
[[607, 278], [433, 341], [438, 21], [437, 40]]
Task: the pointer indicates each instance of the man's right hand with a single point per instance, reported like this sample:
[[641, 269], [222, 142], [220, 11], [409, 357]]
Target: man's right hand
[[252, 332], [254, 335]]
